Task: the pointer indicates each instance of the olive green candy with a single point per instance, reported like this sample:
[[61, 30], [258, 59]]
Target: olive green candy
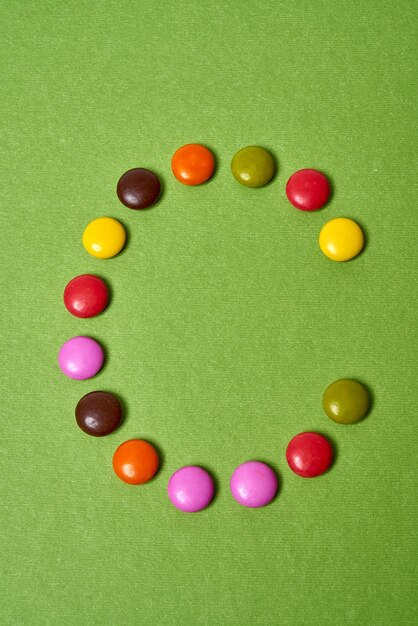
[[253, 166], [346, 401]]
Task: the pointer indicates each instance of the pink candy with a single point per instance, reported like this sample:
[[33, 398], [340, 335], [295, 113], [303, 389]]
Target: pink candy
[[191, 489], [80, 358], [253, 484]]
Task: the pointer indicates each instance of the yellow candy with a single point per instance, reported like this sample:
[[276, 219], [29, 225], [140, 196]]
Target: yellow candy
[[341, 239], [104, 237]]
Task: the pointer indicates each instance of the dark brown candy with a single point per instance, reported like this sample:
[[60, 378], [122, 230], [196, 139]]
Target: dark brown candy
[[98, 413], [138, 188]]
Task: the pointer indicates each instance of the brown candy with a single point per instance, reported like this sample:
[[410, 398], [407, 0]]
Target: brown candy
[[98, 413], [138, 188]]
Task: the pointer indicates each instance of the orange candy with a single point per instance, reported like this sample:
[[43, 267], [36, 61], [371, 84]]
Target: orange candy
[[136, 461], [193, 164]]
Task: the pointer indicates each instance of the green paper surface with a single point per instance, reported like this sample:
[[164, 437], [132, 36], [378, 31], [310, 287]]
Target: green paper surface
[[226, 322]]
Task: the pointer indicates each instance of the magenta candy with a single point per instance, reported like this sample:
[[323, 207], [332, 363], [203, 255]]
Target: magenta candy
[[253, 484], [191, 489], [80, 358]]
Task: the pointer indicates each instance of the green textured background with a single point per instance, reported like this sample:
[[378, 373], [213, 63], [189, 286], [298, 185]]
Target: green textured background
[[226, 321]]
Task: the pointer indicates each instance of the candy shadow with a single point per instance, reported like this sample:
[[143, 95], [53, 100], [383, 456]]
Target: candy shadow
[[127, 240], [161, 195], [125, 410], [366, 234], [276, 165], [217, 165], [105, 355], [216, 484], [331, 192], [372, 398], [335, 448], [160, 453], [273, 467], [110, 293]]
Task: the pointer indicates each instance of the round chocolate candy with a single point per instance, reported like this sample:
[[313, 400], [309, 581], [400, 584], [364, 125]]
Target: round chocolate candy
[[309, 454], [193, 164], [308, 190], [253, 166], [191, 489], [138, 188], [86, 296], [341, 239], [98, 413], [253, 484], [346, 401], [80, 358], [104, 237], [135, 461]]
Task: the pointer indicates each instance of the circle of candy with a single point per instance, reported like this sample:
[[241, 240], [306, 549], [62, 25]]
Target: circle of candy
[[191, 488]]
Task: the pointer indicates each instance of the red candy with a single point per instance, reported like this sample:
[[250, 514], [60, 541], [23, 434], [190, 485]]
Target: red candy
[[308, 190], [309, 454], [86, 296]]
